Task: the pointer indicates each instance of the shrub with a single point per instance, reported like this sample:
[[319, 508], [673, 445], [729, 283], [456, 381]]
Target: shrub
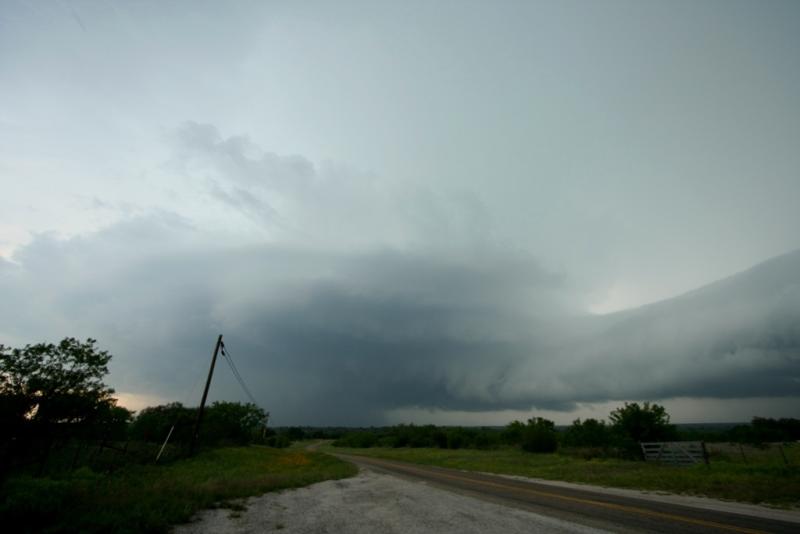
[[512, 434], [539, 435], [588, 433], [634, 424], [223, 423]]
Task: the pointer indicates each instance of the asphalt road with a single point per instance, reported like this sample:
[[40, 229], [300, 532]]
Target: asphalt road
[[589, 508]]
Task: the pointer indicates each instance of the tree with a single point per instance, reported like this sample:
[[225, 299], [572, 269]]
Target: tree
[[539, 435], [764, 430], [634, 424], [588, 433], [154, 423], [512, 433], [47, 383], [225, 422], [51, 392], [232, 422]]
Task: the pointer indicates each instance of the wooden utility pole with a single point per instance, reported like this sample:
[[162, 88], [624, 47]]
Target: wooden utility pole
[[196, 434]]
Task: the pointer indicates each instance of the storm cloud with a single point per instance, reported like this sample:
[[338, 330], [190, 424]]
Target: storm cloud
[[346, 334], [417, 211]]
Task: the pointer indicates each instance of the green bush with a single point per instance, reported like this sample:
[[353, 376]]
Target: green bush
[[224, 423], [153, 424], [634, 423], [588, 433], [512, 434], [539, 435]]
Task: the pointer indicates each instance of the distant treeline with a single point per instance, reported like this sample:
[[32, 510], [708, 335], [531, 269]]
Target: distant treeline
[[630, 425], [760, 430]]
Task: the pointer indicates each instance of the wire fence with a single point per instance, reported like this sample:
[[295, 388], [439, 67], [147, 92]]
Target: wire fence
[[779, 453]]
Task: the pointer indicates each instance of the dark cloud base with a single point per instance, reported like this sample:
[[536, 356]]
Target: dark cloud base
[[341, 338]]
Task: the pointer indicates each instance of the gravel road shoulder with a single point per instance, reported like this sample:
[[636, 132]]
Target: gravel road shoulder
[[374, 502]]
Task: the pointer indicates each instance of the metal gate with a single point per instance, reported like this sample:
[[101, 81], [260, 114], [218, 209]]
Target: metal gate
[[675, 452]]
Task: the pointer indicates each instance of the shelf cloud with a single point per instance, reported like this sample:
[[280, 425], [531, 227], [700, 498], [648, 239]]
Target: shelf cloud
[[349, 332]]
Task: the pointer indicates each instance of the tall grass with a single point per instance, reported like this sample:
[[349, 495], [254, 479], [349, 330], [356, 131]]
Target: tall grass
[[151, 498]]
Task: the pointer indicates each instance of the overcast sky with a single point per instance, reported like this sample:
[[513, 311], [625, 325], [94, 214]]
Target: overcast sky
[[401, 211]]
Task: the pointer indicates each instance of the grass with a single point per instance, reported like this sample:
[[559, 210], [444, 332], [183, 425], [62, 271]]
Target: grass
[[152, 498], [763, 483]]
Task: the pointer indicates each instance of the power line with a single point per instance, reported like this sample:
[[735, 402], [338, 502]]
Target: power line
[[237, 375]]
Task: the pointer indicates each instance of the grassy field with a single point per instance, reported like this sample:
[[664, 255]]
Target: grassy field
[[767, 482], [152, 498]]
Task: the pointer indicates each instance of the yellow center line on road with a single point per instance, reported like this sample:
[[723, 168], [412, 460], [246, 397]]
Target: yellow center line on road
[[590, 502]]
